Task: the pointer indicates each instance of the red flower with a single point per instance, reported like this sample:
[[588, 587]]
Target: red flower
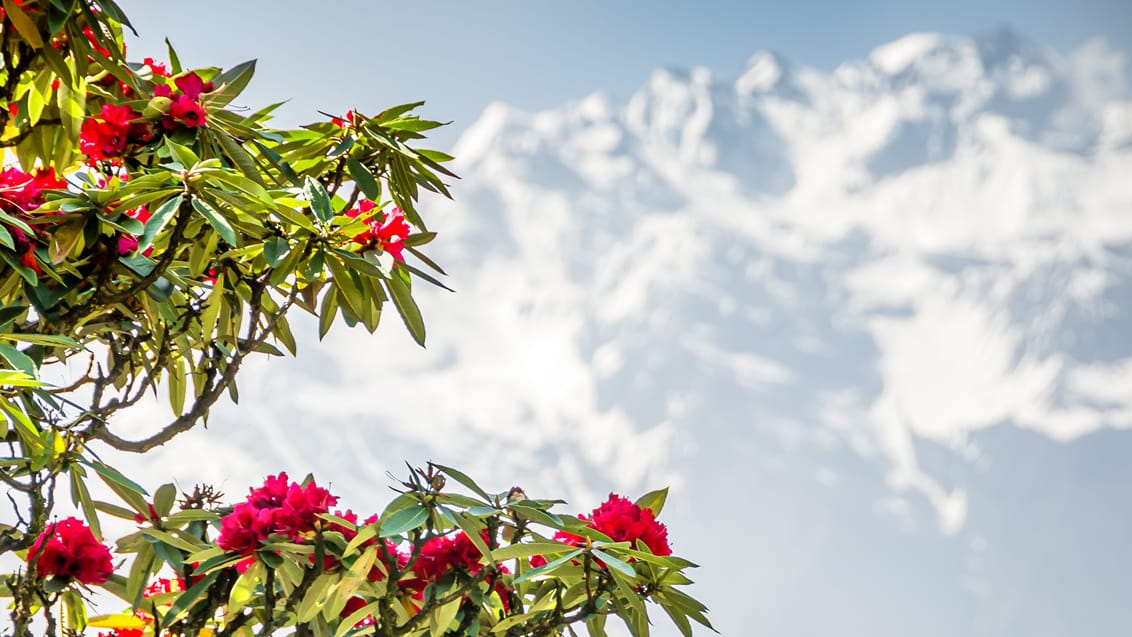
[[24, 192], [185, 109], [341, 123], [106, 137], [158, 69], [277, 508], [94, 44], [353, 605], [187, 112], [386, 231], [68, 549], [163, 585], [192, 86], [442, 554], [624, 521], [127, 243]]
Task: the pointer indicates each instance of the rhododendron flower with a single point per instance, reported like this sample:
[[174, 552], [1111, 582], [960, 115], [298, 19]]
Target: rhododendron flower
[[107, 136], [158, 69], [277, 508], [341, 123], [387, 230], [185, 109], [127, 243], [353, 605], [23, 192], [187, 112], [624, 521], [68, 549]]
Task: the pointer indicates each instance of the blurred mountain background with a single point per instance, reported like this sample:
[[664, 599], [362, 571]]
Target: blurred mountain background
[[870, 322]]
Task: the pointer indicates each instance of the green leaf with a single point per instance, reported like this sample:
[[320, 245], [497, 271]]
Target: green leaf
[[531, 548], [548, 567], [11, 313], [353, 618], [275, 250], [25, 26], [164, 499], [615, 563], [231, 83], [181, 154], [174, 61], [115, 510], [81, 497], [216, 220], [171, 540], [46, 340], [442, 618], [403, 520], [364, 179], [680, 619], [192, 515], [318, 198], [241, 157], [18, 359], [653, 500], [327, 311], [158, 220], [127, 489], [407, 308], [463, 479]]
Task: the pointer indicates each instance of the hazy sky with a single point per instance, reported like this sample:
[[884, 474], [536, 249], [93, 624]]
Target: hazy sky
[[460, 56]]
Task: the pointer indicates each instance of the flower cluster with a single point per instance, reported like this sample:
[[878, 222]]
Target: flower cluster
[[622, 521], [118, 127], [68, 549], [108, 136], [386, 230], [442, 555], [21, 193], [185, 103], [279, 507]]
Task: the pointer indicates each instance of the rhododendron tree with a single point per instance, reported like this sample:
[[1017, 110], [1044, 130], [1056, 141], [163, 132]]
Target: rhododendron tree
[[152, 238]]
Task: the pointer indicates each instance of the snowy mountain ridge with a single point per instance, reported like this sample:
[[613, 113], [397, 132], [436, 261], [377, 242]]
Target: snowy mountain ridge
[[959, 203], [873, 319]]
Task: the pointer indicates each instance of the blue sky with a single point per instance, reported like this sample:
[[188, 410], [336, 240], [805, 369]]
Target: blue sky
[[827, 394], [460, 56]]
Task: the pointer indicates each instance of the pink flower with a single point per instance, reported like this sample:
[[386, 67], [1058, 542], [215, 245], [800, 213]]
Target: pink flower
[[277, 508], [387, 231], [624, 521], [158, 69], [67, 549], [106, 137]]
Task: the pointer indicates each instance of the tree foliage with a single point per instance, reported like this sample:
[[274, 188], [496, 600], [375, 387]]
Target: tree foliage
[[152, 237]]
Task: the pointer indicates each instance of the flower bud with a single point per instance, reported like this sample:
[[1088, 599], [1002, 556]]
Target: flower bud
[[157, 106]]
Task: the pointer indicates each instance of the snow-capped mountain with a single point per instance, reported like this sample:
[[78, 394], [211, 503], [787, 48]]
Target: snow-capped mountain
[[823, 305]]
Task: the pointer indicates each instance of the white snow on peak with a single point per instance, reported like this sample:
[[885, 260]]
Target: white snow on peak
[[764, 71], [929, 200], [912, 248], [898, 55]]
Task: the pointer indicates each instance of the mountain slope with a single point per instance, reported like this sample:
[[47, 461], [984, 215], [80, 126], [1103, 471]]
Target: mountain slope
[[823, 305]]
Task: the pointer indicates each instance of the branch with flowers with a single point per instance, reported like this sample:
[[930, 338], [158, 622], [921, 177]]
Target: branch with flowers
[[153, 236]]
